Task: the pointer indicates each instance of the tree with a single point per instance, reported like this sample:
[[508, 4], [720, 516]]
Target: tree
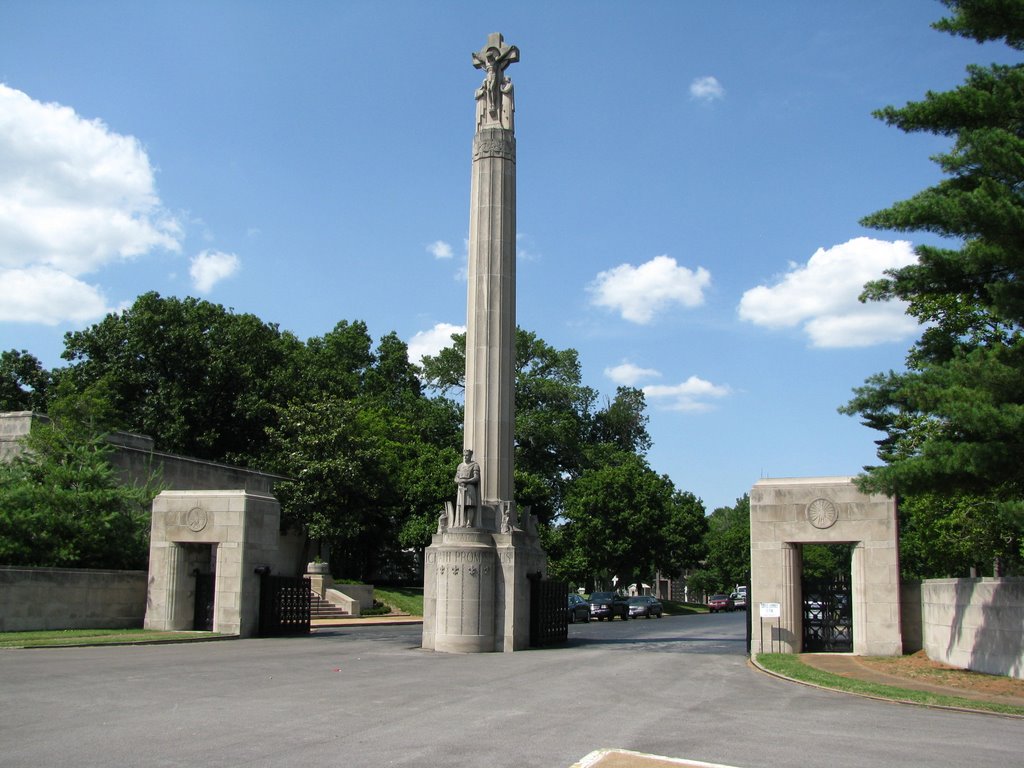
[[623, 519], [727, 543], [954, 419], [62, 503], [200, 379], [24, 382]]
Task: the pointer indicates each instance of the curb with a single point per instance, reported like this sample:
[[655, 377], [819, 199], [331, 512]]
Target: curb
[[752, 661]]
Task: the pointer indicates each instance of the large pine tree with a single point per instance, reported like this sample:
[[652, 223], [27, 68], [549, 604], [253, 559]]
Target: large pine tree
[[954, 419]]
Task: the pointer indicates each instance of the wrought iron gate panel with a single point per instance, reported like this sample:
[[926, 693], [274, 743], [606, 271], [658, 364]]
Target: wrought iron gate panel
[[827, 615], [284, 605], [202, 614], [549, 615]]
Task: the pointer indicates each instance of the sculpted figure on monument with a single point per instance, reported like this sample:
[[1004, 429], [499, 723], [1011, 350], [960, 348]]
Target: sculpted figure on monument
[[494, 101], [467, 502]]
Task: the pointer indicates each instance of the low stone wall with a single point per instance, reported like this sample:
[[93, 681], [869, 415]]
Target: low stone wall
[[975, 624], [59, 598]]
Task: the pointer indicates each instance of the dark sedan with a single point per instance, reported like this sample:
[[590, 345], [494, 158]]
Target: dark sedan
[[608, 605], [579, 609], [644, 605]]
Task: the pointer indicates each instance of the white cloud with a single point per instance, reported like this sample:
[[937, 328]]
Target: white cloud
[[692, 395], [440, 249], [639, 292], [210, 267], [627, 374], [74, 198], [432, 341], [707, 89], [48, 296], [821, 296]]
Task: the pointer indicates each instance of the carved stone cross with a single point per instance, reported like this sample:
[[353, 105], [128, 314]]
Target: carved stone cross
[[494, 58]]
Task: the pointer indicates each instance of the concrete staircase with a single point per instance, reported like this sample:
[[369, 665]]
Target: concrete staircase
[[321, 609]]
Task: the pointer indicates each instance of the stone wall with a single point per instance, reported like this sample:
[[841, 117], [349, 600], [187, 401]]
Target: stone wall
[[58, 598], [975, 624]]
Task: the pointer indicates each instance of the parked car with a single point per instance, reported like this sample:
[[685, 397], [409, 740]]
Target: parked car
[[739, 599], [644, 605], [608, 605], [718, 603], [579, 609]]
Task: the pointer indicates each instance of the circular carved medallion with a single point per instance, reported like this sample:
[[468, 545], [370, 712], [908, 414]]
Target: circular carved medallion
[[196, 519], [822, 513]]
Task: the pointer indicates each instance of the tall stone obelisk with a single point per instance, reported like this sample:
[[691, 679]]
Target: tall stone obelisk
[[475, 586]]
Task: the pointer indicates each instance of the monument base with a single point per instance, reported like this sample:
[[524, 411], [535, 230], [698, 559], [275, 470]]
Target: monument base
[[476, 591]]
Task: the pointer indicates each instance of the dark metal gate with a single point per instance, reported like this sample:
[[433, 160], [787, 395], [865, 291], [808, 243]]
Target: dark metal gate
[[284, 605], [549, 615], [202, 615], [828, 615]]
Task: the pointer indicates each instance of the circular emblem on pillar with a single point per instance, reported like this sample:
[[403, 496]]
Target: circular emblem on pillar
[[822, 513], [196, 519]]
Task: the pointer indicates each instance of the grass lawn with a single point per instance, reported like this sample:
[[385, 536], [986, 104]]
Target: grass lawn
[[405, 599], [673, 608], [791, 666], [59, 637]]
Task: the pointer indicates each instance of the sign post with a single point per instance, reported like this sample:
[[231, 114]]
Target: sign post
[[770, 611]]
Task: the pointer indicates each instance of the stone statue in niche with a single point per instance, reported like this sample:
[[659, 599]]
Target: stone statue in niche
[[467, 500]]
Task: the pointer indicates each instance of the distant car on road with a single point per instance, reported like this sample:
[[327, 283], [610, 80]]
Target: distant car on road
[[579, 609], [739, 599], [718, 603], [644, 605], [608, 605]]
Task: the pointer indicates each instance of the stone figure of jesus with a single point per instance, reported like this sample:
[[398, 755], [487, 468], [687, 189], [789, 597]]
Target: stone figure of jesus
[[467, 478], [495, 102]]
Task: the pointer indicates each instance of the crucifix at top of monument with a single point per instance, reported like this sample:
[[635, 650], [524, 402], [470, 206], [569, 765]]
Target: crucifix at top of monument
[[495, 103]]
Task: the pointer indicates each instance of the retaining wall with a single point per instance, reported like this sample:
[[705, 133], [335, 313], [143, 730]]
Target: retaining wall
[[60, 598], [975, 624]]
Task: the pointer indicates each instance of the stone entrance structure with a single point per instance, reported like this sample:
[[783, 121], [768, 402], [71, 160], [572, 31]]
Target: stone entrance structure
[[475, 586], [788, 513], [228, 534]]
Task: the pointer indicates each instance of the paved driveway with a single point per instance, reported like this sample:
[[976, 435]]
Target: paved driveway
[[368, 696]]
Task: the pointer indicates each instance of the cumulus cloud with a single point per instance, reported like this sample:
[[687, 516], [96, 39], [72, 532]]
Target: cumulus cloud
[[439, 249], [432, 340], [637, 293], [821, 296], [707, 89], [693, 395], [74, 197], [45, 295], [627, 374], [210, 267]]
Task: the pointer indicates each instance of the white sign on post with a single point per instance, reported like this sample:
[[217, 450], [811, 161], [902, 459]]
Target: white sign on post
[[771, 610]]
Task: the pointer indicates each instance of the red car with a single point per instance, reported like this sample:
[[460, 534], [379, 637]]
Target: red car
[[718, 603]]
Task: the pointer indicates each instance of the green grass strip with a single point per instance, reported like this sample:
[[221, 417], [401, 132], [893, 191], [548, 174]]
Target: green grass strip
[[405, 599], [59, 637], [790, 665]]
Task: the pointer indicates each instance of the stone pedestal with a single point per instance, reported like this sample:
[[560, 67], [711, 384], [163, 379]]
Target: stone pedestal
[[476, 592], [462, 565]]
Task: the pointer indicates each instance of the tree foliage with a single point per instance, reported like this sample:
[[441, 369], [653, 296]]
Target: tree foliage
[[62, 503], [199, 379], [24, 382], [727, 544], [954, 419]]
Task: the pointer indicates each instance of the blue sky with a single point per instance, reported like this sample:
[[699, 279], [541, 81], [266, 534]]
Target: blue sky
[[690, 178]]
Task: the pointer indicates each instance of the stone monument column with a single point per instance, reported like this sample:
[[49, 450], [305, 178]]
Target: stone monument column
[[476, 591], [491, 292]]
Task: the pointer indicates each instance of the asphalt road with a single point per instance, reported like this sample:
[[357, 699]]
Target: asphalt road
[[368, 696]]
